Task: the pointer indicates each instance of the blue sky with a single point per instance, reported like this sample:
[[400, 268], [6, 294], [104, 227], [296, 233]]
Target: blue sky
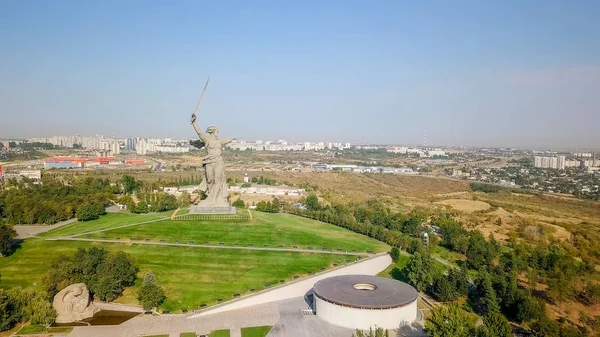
[[503, 73]]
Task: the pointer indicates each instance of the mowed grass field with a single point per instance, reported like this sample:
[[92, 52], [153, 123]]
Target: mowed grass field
[[272, 230], [110, 220], [190, 276]]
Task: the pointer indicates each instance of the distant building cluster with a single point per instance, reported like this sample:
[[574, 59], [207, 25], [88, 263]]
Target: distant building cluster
[[423, 153], [110, 145], [560, 162], [282, 145], [144, 146], [362, 169]]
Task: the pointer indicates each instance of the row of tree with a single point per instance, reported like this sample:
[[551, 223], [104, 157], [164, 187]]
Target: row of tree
[[273, 206], [52, 200], [370, 219]]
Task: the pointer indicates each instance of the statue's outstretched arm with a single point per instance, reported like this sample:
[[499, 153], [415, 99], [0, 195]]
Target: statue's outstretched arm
[[227, 141], [198, 130]]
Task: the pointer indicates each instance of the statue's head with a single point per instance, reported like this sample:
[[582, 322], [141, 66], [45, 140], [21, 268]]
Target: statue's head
[[213, 130]]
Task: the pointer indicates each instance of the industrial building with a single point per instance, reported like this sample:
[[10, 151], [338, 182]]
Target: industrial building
[[363, 302], [64, 163]]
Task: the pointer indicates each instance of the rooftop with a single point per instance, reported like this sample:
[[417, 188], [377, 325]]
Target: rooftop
[[365, 292]]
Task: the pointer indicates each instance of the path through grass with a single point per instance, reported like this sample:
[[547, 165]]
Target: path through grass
[[110, 220]]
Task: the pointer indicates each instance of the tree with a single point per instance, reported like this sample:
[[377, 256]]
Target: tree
[[312, 202], [495, 325], [150, 294], [488, 301], [129, 184], [478, 252], [108, 288], [544, 327], [450, 287], [141, 207], [9, 311], [449, 320], [34, 305], [419, 270], [86, 212], [121, 266], [395, 254], [7, 237], [239, 203]]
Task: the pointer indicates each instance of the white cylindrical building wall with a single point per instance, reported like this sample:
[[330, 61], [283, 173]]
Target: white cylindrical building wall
[[356, 318]]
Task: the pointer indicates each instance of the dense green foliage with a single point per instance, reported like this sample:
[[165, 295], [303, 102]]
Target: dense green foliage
[[495, 325], [269, 206], [264, 181], [7, 237], [450, 287], [87, 212], [377, 332], [449, 320], [106, 274], [150, 294], [239, 203], [52, 200], [419, 270], [24, 305], [395, 254], [371, 219]]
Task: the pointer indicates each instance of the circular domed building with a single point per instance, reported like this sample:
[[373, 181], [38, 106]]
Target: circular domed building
[[362, 301]]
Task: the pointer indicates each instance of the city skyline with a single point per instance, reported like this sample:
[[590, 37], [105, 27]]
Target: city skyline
[[477, 74]]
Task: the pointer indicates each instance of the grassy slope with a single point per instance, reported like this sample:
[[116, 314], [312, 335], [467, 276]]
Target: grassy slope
[[266, 229], [109, 220], [190, 276]]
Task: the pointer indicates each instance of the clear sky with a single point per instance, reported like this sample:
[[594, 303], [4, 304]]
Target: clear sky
[[523, 73]]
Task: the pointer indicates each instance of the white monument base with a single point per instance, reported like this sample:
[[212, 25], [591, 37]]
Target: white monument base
[[198, 209]]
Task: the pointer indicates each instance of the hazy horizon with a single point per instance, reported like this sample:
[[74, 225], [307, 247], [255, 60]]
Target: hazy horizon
[[508, 74]]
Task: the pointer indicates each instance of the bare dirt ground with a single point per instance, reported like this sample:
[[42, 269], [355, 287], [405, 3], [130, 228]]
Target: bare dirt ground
[[465, 205]]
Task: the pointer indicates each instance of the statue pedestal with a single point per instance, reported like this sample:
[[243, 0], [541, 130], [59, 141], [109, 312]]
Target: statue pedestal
[[200, 209]]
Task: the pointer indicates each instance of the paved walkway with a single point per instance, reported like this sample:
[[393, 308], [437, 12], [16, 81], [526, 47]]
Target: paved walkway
[[138, 242], [25, 231], [299, 288]]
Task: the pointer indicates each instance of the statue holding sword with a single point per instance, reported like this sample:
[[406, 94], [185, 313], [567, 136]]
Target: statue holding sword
[[214, 183]]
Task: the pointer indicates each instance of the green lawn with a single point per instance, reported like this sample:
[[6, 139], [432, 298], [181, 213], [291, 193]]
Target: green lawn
[[273, 230], [110, 220], [190, 334], [256, 331], [190, 276], [32, 329], [219, 333]]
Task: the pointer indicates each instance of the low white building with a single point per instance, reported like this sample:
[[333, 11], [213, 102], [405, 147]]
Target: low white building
[[363, 302]]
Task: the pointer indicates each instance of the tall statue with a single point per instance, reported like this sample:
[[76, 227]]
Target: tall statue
[[214, 183]]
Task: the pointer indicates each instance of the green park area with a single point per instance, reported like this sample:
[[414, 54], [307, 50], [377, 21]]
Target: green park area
[[110, 220], [193, 276], [265, 229], [256, 331]]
